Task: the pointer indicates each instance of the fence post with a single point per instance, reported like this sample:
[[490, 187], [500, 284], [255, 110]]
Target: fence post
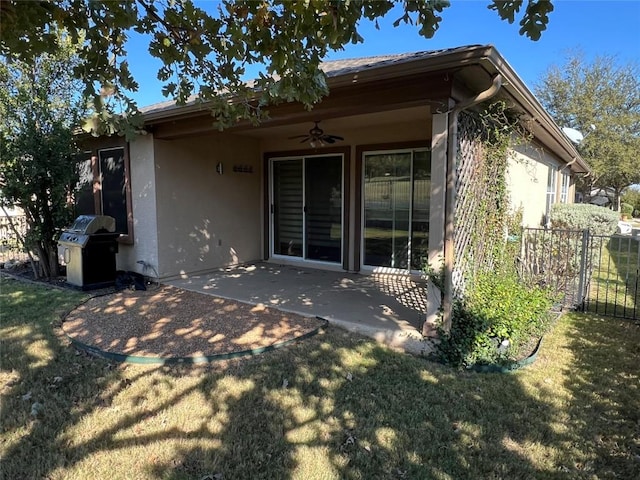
[[583, 270]]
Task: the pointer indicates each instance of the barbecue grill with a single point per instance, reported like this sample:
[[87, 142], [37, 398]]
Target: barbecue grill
[[88, 248]]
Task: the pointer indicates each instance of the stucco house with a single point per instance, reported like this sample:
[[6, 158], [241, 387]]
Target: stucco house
[[383, 196]]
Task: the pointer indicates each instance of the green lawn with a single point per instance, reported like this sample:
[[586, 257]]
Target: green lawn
[[336, 406]]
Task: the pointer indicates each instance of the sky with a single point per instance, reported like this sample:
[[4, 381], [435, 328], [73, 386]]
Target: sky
[[594, 27]]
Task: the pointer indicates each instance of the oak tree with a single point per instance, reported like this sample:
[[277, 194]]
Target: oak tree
[[205, 51], [605, 94]]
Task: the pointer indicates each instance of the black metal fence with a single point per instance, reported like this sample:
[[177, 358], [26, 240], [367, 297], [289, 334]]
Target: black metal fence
[[595, 273], [613, 281]]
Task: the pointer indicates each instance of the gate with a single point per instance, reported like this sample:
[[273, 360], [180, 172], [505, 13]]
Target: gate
[[613, 286], [594, 273]]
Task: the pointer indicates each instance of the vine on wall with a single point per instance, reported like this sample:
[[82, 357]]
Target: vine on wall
[[494, 314], [482, 208]]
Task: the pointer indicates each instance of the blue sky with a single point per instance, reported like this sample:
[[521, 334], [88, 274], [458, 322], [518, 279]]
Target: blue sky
[[596, 27]]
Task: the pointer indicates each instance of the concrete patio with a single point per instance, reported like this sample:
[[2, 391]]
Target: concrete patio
[[387, 307]]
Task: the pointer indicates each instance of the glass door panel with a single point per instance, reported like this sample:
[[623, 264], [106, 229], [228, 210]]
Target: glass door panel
[[307, 208], [323, 208], [287, 207], [420, 209], [387, 202]]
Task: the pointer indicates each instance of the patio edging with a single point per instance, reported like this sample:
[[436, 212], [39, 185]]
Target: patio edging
[[511, 367]]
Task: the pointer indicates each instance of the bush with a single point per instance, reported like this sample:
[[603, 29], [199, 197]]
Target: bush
[[632, 196], [496, 320], [626, 209], [584, 216]]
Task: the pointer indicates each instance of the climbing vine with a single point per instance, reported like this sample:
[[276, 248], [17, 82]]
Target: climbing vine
[[494, 312], [496, 129]]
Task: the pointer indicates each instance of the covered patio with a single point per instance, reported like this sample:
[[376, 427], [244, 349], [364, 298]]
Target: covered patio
[[388, 307]]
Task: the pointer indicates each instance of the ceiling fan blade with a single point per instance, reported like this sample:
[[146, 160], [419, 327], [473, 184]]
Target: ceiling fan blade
[[317, 135]]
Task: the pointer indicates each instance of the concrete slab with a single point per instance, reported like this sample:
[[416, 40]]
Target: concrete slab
[[387, 307]]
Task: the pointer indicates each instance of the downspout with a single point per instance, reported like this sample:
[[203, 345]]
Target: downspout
[[570, 163], [450, 198]]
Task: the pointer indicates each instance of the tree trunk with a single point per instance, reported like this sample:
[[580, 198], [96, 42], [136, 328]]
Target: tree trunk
[[48, 254], [54, 266]]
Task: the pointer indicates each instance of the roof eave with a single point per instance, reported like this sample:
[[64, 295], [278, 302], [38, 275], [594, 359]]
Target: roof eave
[[449, 60]]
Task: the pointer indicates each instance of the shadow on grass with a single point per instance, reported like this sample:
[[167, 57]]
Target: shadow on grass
[[39, 368], [604, 379], [334, 406]]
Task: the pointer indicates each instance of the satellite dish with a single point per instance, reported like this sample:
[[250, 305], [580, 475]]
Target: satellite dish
[[574, 135]]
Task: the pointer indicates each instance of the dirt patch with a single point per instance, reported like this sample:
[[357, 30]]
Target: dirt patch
[[171, 322]]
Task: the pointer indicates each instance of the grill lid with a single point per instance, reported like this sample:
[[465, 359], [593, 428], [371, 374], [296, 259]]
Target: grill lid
[[89, 224]]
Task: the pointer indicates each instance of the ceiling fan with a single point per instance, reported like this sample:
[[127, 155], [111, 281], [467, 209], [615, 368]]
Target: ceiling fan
[[316, 137]]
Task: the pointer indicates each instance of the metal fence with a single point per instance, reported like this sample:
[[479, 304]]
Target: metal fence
[[612, 286], [10, 248], [596, 273]]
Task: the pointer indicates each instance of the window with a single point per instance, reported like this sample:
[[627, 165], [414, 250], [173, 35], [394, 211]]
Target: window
[[552, 185], [564, 189], [104, 188]]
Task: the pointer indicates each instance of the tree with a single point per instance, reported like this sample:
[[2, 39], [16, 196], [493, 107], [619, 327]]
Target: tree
[[40, 110], [207, 54], [606, 95], [632, 196]]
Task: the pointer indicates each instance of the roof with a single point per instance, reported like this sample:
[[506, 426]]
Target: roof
[[333, 68], [459, 59]]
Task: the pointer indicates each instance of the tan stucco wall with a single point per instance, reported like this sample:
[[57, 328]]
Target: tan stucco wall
[[206, 220], [143, 198], [527, 182]]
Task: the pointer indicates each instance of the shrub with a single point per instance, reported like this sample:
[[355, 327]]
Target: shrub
[[584, 216], [632, 196], [498, 307], [626, 209]]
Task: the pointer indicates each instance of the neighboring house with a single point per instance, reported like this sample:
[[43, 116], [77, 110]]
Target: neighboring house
[[188, 198]]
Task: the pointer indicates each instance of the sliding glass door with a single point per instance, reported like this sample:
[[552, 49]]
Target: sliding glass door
[[396, 190], [288, 204], [306, 208]]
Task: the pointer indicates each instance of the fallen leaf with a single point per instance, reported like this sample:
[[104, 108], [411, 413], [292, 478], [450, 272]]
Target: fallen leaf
[[285, 383], [26, 396], [349, 376]]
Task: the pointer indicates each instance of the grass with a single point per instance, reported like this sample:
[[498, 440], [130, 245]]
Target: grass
[[336, 406]]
